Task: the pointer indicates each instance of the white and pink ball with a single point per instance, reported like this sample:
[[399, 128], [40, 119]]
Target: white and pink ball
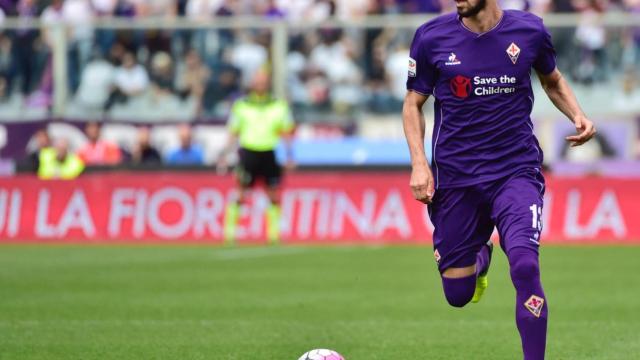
[[321, 354]]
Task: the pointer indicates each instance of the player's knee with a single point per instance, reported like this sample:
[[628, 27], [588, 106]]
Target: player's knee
[[459, 291], [458, 300], [524, 264]]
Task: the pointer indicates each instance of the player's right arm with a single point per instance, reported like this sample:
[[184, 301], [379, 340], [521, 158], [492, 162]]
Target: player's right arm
[[420, 82], [421, 182]]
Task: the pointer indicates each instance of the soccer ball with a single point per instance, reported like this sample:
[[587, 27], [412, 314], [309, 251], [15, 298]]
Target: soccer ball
[[321, 354]]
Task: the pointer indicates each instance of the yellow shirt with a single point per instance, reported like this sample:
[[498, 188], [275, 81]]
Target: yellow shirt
[[259, 123], [51, 168]]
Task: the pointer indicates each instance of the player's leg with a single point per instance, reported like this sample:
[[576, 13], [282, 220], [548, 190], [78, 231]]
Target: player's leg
[[517, 210], [245, 179], [273, 178], [482, 270], [462, 228]]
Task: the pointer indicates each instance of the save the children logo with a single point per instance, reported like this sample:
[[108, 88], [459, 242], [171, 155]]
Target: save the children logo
[[460, 86]]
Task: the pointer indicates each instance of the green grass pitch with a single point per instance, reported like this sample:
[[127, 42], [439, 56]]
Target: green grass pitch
[[197, 302]]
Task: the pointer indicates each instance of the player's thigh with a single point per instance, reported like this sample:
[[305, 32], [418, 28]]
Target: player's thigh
[[517, 210], [247, 169], [272, 172], [462, 225]]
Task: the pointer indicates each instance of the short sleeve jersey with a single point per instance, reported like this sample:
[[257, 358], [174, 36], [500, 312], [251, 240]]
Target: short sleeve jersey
[[483, 97], [259, 124]]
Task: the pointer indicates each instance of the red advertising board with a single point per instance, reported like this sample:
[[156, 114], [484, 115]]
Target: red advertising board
[[322, 207]]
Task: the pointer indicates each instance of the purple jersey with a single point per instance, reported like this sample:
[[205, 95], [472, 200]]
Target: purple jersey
[[483, 97]]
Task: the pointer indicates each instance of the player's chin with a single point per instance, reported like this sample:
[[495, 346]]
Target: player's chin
[[462, 8]]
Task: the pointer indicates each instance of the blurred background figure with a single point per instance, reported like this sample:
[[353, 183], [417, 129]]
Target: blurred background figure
[[130, 80], [143, 153], [257, 123], [187, 153], [95, 84], [58, 162], [39, 141], [192, 79], [98, 151]]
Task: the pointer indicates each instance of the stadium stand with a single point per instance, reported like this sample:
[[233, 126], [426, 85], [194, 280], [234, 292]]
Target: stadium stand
[[106, 68]]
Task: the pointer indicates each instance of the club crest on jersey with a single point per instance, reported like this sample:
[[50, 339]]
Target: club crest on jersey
[[436, 255], [413, 67], [453, 60], [534, 304], [513, 51]]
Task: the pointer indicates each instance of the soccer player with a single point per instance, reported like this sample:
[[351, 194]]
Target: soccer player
[[486, 161], [257, 123]]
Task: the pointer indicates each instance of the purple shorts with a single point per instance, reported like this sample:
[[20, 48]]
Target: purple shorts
[[464, 218]]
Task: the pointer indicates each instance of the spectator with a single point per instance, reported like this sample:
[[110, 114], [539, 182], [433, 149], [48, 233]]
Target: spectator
[[143, 152], [591, 38], [79, 14], [202, 9], [59, 163], [156, 8], [104, 9], [52, 14], [248, 56], [187, 153], [223, 86], [24, 47], [162, 74], [350, 9], [342, 71], [40, 140], [97, 151], [192, 79], [95, 83], [130, 80], [269, 9], [395, 69], [6, 71]]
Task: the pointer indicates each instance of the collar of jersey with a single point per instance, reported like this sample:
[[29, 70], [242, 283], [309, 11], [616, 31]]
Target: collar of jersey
[[259, 100], [495, 27]]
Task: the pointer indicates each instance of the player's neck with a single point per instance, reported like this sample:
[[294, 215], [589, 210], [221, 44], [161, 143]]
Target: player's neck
[[485, 20]]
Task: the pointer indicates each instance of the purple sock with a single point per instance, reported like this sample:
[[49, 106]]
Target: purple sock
[[482, 260], [531, 304]]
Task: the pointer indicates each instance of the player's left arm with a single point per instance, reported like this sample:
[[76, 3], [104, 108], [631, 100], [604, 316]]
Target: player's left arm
[[287, 130], [560, 93]]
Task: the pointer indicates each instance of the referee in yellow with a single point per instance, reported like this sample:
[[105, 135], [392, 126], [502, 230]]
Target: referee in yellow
[[257, 123]]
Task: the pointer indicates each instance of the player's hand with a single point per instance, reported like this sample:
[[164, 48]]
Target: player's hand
[[422, 186], [585, 131]]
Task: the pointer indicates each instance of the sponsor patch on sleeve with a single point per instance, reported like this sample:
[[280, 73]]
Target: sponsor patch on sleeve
[[413, 67]]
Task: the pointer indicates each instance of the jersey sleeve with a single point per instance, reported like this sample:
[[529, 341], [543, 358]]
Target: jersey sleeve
[[422, 73], [545, 61]]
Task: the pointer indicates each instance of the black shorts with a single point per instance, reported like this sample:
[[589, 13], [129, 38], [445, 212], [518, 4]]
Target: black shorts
[[254, 165]]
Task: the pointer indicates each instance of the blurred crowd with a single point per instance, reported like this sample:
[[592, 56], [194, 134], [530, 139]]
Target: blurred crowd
[[55, 157], [198, 73]]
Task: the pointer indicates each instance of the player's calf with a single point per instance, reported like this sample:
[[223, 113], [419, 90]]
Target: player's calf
[[531, 303]]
